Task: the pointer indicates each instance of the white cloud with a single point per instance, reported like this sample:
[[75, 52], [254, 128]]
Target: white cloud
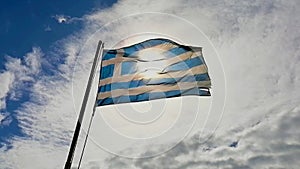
[[1, 118], [25, 68], [6, 80], [32, 154], [259, 46], [47, 118], [271, 143], [258, 42], [5, 119], [64, 19], [61, 18], [17, 72]]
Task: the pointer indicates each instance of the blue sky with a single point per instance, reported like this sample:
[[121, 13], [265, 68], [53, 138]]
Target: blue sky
[[30, 23], [34, 23]]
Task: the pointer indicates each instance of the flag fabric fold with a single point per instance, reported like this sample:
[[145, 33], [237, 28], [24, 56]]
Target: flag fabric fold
[[152, 69]]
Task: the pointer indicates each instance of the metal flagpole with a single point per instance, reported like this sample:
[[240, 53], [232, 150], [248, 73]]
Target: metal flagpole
[[83, 106], [87, 134]]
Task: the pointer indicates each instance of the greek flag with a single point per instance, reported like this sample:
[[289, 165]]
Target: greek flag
[[152, 69]]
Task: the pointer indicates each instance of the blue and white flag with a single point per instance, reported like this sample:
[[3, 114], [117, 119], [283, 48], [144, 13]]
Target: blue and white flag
[[152, 69]]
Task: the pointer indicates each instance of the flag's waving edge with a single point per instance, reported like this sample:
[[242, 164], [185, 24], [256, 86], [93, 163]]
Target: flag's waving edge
[[152, 69]]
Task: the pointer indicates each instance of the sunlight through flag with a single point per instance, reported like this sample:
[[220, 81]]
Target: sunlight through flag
[[152, 69]]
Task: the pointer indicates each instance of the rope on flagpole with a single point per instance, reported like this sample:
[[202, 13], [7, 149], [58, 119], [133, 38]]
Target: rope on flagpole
[[88, 131], [86, 137], [68, 163]]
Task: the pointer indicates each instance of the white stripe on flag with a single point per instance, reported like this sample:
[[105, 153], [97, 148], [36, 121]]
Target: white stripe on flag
[[127, 78], [153, 88]]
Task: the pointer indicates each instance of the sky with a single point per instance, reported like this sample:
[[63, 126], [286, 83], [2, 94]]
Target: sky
[[252, 49], [34, 26]]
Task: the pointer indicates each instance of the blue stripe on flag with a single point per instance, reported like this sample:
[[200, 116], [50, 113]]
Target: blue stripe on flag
[[128, 51], [152, 96], [107, 71], [190, 78], [184, 65], [110, 54], [176, 51]]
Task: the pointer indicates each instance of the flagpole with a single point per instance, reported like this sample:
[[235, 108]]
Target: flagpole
[[87, 133], [68, 163]]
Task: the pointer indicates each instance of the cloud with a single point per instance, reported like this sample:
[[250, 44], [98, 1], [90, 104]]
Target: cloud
[[64, 19], [46, 119], [1, 117], [6, 79], [18, 71], [47, 28], [32, 154], [5, 119], [61, 18], [259, 47], [258, 43], [271, 143]]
